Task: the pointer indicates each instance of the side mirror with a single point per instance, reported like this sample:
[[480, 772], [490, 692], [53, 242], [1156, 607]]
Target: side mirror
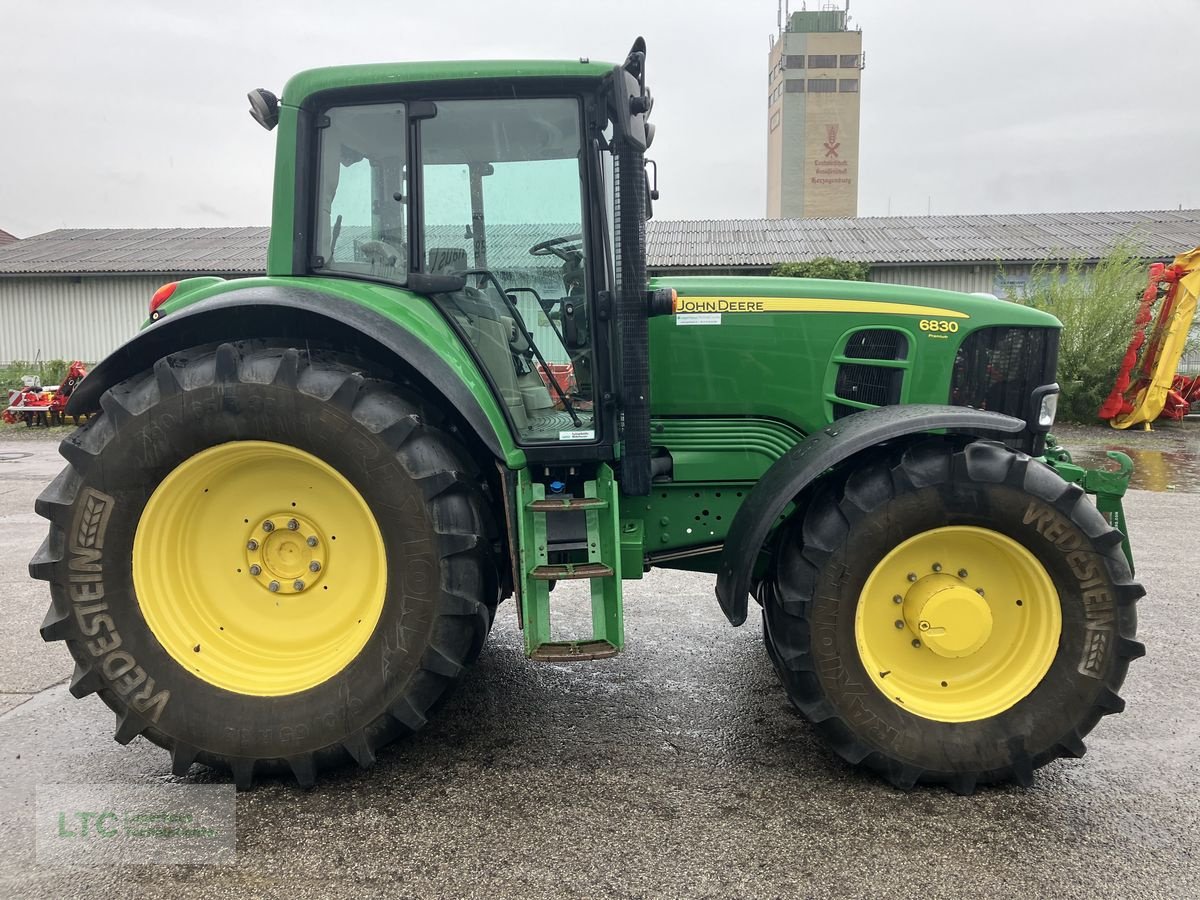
[[264, 107], [632, 100]]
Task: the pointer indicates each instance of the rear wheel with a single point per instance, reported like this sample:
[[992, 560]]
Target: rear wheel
[[261, 559], [952, 615]]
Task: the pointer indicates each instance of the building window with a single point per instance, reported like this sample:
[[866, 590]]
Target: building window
[[822, 62], [822, 85], [848, 85], [795, 62], [849, 60], [774, 121], [795, 85]]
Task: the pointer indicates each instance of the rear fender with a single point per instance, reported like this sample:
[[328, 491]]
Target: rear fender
[[308, 317], [805, 463]]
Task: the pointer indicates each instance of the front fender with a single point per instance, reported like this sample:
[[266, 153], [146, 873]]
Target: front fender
[[812, 457], [305, 315]]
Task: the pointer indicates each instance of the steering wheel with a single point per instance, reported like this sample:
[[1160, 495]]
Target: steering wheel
[[553, 247]]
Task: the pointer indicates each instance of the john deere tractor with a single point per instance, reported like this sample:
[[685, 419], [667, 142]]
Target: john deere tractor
[[282, 535]]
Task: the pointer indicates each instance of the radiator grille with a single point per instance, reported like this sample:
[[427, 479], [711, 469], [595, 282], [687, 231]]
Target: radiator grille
[[997, 369]]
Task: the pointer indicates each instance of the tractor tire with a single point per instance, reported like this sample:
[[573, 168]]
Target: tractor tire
[[262, 560], [949, 614]]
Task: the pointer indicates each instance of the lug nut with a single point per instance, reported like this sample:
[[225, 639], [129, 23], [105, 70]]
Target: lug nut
[[962, 573], [312, 540], [979, 591], [899, 623], [896, 598], [252, 545], [273, 586], [912, 576], [293, 524], [314, 566], [937, 567], [916, 643], [256, 570], [298, 584], [268, 526]]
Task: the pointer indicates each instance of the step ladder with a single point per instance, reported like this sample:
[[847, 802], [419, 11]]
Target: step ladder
[[602, 568]]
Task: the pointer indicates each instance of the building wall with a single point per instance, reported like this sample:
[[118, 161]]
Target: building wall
[[88, 317], [982, 278], [970, 278], [63, 317]]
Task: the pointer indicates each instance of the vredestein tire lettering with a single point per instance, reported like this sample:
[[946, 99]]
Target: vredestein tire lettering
[[86, 590]]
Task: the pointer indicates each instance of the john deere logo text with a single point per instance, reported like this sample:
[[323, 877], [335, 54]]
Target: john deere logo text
[[718, 304]]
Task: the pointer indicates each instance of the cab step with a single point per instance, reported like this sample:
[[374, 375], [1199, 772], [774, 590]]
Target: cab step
[[567, 504], [568, 571], [602, 567], [573, 651]]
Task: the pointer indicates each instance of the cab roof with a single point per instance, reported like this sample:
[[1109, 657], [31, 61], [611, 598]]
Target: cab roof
[[313, 81]]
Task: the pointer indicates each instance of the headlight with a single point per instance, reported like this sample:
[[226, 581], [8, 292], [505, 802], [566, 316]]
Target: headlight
[[1047, 410]]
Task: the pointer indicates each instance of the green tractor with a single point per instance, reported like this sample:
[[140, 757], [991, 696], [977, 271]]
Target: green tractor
[[283, 533]]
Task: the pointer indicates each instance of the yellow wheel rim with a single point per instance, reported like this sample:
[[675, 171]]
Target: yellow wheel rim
[[958, 624], [259, 568]]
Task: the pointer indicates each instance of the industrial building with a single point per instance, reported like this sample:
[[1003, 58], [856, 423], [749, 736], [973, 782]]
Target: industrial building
[[814, 86], [79, 293]]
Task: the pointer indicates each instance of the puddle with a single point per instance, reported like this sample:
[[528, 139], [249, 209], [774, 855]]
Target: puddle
[[1153, 470], [9, 456], [1166, 459]]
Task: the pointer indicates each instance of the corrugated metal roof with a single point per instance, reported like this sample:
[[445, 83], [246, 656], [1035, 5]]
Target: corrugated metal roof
[[919, 239], [6, 238], [74, 251], [701, 243]]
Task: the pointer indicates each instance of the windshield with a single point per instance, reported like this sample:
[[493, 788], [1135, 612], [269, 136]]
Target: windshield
[[502, 202]]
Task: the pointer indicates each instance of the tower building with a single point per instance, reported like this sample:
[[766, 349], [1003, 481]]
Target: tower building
[[814, 86]]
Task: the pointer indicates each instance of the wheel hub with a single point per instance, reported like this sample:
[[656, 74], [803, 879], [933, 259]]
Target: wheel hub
[[235, 570], [286, 550], [957, 623], [949, 617]]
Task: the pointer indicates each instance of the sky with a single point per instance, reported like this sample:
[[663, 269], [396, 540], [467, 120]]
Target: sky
[[132, 113]]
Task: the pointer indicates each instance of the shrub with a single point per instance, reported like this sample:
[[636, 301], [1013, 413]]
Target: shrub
[[824, 267], [1096, 306], [51, 371]]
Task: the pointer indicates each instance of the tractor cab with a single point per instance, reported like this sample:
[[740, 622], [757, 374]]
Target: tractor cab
[[503, 205], [496, 200]]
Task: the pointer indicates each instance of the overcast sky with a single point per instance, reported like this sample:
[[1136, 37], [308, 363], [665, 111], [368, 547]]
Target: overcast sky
[[132, 112]]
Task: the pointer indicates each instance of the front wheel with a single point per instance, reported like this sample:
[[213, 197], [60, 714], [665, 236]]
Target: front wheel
[[953, 615], [261, 559]]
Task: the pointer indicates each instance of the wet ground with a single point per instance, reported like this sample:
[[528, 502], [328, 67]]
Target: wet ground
[[676, 769], [1166, 458]]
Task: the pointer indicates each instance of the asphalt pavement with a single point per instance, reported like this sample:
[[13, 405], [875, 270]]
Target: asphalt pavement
[[675, 769]]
